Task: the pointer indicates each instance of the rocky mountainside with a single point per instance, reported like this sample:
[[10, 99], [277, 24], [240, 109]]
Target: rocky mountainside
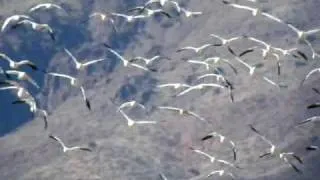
[[142, 152]]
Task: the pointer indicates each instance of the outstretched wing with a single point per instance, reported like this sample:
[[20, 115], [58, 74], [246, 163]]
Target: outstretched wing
[[92, 62]]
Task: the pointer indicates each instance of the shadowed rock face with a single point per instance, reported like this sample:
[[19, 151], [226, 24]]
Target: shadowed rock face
[[141, 152]]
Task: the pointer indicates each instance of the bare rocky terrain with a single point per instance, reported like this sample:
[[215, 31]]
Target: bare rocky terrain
[[142, 152]]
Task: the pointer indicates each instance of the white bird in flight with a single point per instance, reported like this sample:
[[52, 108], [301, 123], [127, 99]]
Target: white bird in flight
[[213, 159], [266, 51], [75, 83], [132, 122], [65, 148], [222, 140], [200, 86], [254, 11], [22, 76], [216, 60], [182, 111], [149, 12], [37, 27], [225, 41], [105, 17], [127, 62], [45, 6], [17, 64], [80, 65], [13, 19]]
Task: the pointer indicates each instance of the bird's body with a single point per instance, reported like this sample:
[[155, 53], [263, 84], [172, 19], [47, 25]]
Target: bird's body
[[65, 148], [79, 65]]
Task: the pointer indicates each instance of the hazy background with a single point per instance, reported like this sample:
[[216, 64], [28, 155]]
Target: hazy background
[[141, 152]]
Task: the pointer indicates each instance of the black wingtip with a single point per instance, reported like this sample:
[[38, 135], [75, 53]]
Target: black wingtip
[[45, 123], [106, 45], [264, 155], [312, 148], [253, 128], [246, 52], [218, 44], [225, 2], [312, 106], [88, 104], [234, 154], [86, 149], [303, 55], [316, 90], [232, 51], [206, 137], [153, 70]]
